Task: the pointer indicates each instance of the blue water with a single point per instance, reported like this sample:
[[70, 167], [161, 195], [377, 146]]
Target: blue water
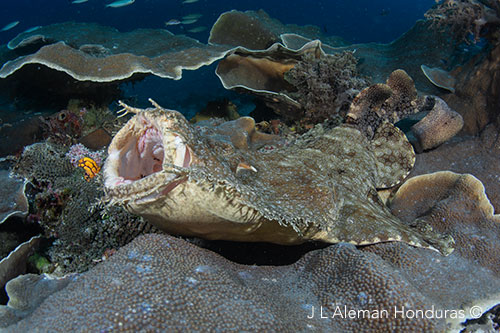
[[356, 21]]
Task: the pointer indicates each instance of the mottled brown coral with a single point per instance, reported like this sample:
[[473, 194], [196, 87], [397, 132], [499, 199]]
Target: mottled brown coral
[[325, 85], [478, 155], [388, 102], [477, 96], [438, 126], [396, 100], [455, 204]]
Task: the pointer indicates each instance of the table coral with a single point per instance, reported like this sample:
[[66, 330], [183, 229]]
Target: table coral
[[439, 77], [65, 47]]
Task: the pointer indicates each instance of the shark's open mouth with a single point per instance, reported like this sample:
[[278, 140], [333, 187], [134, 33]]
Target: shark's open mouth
[[144, 151]]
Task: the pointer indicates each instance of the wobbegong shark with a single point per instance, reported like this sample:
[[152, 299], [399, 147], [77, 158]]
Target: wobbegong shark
[[231, 182]]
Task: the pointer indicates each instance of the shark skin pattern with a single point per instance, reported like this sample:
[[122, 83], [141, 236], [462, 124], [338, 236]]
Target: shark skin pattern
[[219, 183]]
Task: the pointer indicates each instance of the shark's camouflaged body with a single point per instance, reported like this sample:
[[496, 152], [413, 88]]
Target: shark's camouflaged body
[[216, 183]]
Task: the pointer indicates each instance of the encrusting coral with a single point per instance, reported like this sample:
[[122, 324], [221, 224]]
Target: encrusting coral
[[438, 126], [65, 206], [325, 85], [455, 204], [158, 282], [320, 187], [467, 17], [397, 99], [305, 84]]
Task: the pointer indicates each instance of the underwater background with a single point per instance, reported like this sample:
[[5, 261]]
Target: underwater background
[[355, 21], [366, 175]]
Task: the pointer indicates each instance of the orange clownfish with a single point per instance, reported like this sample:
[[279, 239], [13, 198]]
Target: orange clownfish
[[90, 166]]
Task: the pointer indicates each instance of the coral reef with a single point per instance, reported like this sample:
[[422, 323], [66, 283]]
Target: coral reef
[[455, 204], [467, 17], [28, 291], [18, 133], [421, 44], [325, 86], [79, 151], [158, 282], [477, 95], [79, 123], [438, 126], [43, 162], [190, 183], [439, 77], [84, 235], [478, 155], [398, 99], [217, 109], [64, 47], [13, 201], [15, 263], [65, 207], [64, 127], [306, 84]]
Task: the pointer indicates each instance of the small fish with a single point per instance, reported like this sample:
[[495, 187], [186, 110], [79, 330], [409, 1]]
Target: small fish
[[10, 26], [120, 3], [90, 166], [197, 29], [172, 22], [192, 16], [190, 1], [190, 21], [79, 1], [32, 29]]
